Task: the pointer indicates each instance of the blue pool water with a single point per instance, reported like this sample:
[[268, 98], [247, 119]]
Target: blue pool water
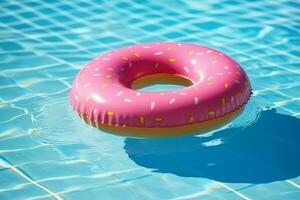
[[47, 152]]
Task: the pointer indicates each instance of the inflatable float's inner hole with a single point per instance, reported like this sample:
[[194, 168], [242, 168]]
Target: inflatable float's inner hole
[[160, 82], [155, 76]]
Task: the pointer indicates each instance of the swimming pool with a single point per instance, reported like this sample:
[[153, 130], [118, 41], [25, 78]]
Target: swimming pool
[[47, 152]]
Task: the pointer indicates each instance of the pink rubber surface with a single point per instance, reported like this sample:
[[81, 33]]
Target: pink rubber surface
[[102, 90]]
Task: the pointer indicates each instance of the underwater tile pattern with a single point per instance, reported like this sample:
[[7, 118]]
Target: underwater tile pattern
[[47, 152]]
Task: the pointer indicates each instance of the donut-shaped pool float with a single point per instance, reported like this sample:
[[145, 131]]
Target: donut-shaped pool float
[[105, 91]]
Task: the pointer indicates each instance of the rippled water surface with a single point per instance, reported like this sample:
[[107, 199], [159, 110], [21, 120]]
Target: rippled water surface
[[47, 152]]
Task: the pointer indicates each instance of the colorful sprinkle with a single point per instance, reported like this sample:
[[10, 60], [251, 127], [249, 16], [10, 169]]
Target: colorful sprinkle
[[211, 113], [104, 85], [190, 53], [223, 101], [226, 85], [214, 62], [156, 65], [169, 48], [137, 55], [110, 113], [125, 58], [172, 60], [172, 101], [191, 119], [158, 119], [142, 120]]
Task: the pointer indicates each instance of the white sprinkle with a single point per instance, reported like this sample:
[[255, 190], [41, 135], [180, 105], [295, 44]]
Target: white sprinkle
[[105, 58], [226, 67], [122, 69], [186, 69], [138, 94], [130, 65], [109, 69], [146, 47], [87, 85], [193, 61], [232, 99], [209, 78], [179, 44], [229, 72], [95, 111], [220, 73], [96, 74], [199, 54], [209, 51], [119, 93], [127, 100], [196, 100], [76, 97], [221, 54], [77, 85], [238, 82], [152, 106], [182, 93], [158, 53], [172, 101], [97, 69]]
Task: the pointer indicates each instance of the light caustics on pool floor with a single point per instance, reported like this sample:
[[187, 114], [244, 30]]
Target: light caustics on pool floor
[[47, 152]]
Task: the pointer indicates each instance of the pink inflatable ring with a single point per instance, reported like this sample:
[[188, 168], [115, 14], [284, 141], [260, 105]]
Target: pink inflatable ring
[[104, 93]]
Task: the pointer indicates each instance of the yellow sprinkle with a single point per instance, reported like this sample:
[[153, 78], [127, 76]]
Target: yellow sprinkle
[[190, 53], [87, 98], [172, 59], [104, 85], [191, 119], [223, 101], [137, 55], [214, 62], [142, 120], [209, 83], [226, 85], [158, 119], [156, 65], [125, 58], [109, 113], [162, 94], [211, 113], [169, 48]]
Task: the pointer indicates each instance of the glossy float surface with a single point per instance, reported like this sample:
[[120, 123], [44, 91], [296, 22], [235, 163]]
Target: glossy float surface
[[47, 152], [102, 92]]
